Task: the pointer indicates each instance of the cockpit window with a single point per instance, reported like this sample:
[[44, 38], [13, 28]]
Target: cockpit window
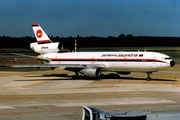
[[168, 58]]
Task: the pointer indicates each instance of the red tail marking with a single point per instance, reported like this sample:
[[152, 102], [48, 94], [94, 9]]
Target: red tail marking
[[44, 41], [34, 24], [39, 33]]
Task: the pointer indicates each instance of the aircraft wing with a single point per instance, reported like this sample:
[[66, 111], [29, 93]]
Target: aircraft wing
[[65, 66], [71, 67]]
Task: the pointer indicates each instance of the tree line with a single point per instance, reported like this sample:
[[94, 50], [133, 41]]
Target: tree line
[[68, 42]]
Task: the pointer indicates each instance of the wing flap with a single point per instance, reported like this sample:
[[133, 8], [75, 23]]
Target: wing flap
[[95, 65], [49, 65]]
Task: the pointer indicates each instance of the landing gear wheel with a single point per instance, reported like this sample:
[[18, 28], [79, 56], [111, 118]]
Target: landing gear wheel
[[148, 78], [77, 74]]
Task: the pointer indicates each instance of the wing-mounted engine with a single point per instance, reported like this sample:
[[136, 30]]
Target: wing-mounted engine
[[47, 47], [90, 72]]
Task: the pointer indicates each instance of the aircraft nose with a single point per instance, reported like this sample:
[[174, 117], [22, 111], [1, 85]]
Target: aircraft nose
[[172, 63]]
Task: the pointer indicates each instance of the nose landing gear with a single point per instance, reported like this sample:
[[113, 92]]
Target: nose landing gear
[[148, 76]]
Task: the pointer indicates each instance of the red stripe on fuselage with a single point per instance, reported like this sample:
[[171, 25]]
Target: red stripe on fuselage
[[101, 59]]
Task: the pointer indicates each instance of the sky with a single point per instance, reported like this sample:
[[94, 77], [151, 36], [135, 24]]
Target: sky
[[102, 18]]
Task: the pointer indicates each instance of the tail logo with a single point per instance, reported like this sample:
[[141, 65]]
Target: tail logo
[[39, 33]]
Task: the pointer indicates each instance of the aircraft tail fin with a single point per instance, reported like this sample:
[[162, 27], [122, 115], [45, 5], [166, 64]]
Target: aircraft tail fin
[[41, 36]]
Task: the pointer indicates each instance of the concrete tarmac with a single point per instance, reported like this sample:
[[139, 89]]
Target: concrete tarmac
[[57, 95]]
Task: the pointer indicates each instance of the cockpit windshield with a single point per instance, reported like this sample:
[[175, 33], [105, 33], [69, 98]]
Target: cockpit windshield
[[167, 58]]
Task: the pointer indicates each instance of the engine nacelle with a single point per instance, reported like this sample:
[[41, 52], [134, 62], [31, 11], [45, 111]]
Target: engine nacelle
[[91, 72], [47, 47], [124, 73]]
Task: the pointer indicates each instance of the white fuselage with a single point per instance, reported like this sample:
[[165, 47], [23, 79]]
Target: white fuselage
[[114, 61]]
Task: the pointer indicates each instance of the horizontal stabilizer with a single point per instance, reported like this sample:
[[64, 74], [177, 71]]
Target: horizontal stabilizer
[[41, 59]]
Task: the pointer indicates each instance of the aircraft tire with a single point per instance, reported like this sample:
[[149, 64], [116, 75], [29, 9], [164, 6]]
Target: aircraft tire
[[148, 78]]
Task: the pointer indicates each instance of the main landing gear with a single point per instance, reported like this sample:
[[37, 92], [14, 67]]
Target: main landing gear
[[148, 76], [77, 75]]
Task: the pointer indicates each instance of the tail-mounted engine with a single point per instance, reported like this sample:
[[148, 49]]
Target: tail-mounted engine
[[47, 47]]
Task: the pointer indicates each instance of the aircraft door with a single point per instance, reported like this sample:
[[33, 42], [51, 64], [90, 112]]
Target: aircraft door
[[154, 58], [124, 66], [125, 60], [93, 60]]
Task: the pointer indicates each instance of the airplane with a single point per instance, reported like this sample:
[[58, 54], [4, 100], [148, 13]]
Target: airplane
[[90, 64]]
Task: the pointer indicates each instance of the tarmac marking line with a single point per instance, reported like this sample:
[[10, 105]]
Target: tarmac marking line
[[38, 81], [97, 108], [108, 87]]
